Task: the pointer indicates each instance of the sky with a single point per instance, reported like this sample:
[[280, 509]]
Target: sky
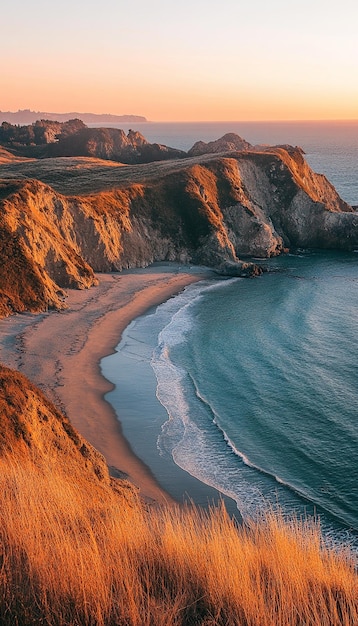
[[182, 60]]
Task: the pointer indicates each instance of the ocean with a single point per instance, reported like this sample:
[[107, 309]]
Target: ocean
[[250, 386]]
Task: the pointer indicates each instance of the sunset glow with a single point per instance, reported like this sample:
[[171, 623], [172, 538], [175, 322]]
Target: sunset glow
[[188, 61]]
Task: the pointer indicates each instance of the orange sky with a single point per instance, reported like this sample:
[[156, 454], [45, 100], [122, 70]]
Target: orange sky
[[193, 61]]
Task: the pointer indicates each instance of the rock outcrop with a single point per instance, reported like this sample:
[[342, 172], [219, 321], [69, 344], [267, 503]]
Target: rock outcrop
[[113, 144], [210, 210], [228, 143]]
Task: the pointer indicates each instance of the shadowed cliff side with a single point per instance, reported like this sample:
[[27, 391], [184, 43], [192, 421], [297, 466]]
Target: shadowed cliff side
[[89, 215], [46, 138]]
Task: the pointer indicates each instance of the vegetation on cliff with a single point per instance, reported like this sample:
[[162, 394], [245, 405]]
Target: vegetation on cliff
[[78, 548], [40, 133]]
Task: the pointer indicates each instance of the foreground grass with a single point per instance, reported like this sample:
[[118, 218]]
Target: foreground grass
[[67, 558]]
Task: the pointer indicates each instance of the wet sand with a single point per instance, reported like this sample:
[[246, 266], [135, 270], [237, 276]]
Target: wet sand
[[61, 352]]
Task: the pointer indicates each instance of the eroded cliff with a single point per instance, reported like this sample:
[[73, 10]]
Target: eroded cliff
[[87, 217]]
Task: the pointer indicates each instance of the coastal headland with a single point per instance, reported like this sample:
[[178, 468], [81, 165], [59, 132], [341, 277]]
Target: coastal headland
[[64, 219]]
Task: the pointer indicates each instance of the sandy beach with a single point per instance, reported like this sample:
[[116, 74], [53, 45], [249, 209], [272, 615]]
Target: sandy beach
[[61, 352]]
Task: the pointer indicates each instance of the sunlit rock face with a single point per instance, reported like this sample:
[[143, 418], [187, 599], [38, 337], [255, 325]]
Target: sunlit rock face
[[90, 216]]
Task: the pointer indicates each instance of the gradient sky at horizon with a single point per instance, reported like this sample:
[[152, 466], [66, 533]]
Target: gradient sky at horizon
[[186, 61]]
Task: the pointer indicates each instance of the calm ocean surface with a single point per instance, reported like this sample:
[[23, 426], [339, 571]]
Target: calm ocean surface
[[256, 379]]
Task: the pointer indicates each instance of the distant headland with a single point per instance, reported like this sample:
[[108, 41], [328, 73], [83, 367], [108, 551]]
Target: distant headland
[[25, 116]]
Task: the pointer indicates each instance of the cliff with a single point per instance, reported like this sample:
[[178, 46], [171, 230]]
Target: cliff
[[112, 144], [37, 256], [89, 215], [76, 546]]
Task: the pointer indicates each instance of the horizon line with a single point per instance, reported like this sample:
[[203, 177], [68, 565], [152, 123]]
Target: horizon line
[[255, 121], [193, 121]]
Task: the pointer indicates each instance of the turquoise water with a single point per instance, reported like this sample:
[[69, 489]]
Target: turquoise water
[[269, 367], [258, 379]]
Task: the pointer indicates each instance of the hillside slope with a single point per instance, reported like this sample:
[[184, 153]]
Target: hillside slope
[[32, 430], [78, 549]]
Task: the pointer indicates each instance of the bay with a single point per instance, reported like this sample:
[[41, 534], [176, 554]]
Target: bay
[[250, 386]]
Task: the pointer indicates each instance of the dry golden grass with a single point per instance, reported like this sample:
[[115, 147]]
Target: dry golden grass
[[70, 558], [85, 175]]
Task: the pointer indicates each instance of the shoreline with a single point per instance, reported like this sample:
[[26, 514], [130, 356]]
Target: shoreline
[[61, 352]]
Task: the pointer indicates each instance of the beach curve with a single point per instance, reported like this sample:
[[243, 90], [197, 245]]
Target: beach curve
[[61, 352]]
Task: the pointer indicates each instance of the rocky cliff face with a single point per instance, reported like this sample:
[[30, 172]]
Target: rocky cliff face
[[37, 256], [208, 210], [293, 206], [112, 144]]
